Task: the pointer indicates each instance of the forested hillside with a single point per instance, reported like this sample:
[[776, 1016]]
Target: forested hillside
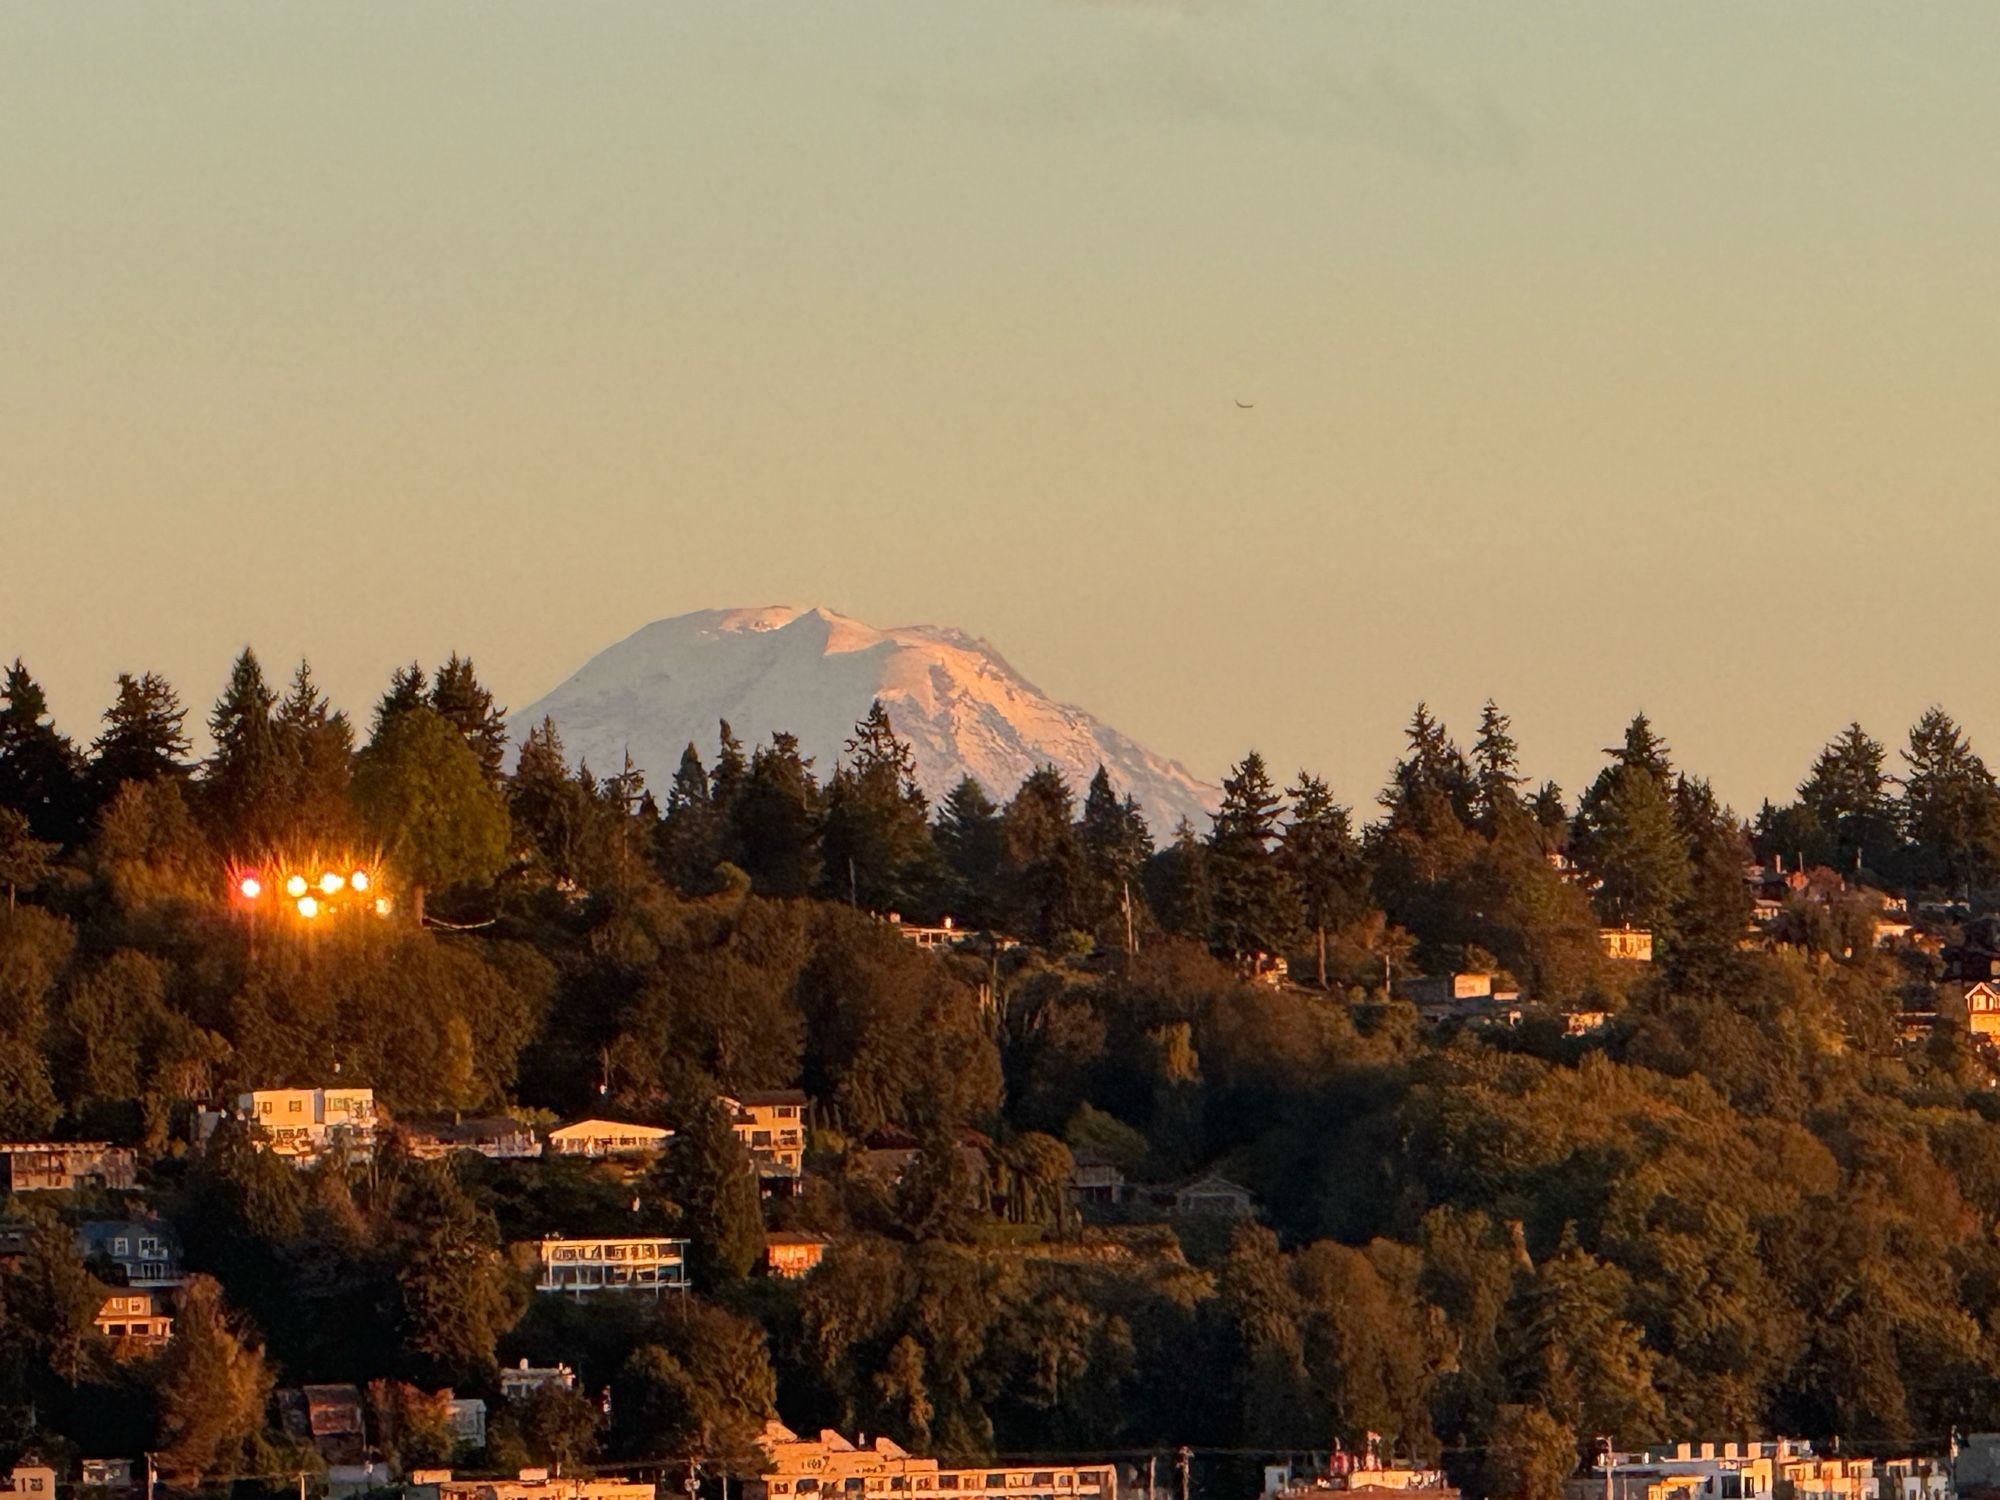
[[1755, 1198]]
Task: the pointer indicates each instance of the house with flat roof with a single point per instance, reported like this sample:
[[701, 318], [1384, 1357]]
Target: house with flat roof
[[29, 1477], [772, 1127], [305, 1125], [614, 1265], [65, 1166], [497, 1138], [829, 1467]]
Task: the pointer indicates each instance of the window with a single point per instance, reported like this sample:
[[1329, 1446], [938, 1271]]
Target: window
[[947, 1481], [1043, 1481], [149, 1248], [295, 1106]]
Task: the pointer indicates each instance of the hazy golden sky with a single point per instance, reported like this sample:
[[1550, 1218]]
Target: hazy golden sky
[[1603, 355]]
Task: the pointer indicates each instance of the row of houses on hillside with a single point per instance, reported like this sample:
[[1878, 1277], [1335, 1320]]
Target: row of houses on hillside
[[310, 1125]]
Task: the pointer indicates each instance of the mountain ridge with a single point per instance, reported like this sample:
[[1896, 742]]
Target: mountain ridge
[[962, 706]]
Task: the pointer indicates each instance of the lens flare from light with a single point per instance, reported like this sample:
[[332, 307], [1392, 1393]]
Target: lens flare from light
[[381, 906], [330, 882], [296, 886], [308, 908], [250, 888], [359, 880]]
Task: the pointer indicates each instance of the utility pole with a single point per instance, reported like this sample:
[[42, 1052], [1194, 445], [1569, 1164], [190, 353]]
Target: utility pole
[[1184, 1460], [152, 1477], [1604, 1442], [1152, 1476], [1131, 942]]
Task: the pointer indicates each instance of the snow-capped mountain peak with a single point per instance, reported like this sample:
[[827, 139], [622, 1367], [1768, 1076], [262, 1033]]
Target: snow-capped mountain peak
[[813, 672]]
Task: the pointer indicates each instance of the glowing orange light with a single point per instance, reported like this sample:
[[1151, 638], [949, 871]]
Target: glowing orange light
[[381, 906], [359, 880], [330, 882], [296, 886], [250, 888]]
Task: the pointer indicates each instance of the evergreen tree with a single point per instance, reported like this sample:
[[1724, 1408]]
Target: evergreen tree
[[1322, 858], [1631, 843], [1045, 875], [876, 838], [246, 782], [40, 775], [463, 701], [689, 841], [775, 820], [1551, 817], [711, 1188], [408, 689], [551, 812], [1847, 794], [143, 738], [423, 796], [730, 773], [1951, 809], [58, 1300], [1496, 770], [1178, 887], [1710, 919], [970, 841], [455, 1294], [1256, 910], [1116, 843], [1431, 788], [317, 744]]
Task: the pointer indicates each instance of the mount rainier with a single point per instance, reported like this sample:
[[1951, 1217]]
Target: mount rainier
[[962, 708]]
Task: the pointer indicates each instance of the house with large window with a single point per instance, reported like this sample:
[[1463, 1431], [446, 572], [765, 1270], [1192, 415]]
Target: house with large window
[[305, 1125], [65, 1166], [135, 1321], [772, 1128], [609, 1140], [829, 1467], [613, 1265], [132, 1252]]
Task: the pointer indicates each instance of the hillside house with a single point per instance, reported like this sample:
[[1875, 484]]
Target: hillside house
[[617, 1265], [497, 1138], [65, 1166], [609, 1140], [831, 1466], [29, 1478], [329, 1417], [135, 1252], [137, 1322], [1214, 1196], [1626, 944], [772, 1128], [532, 1484], [1096, 1180], [1974, 1006], [523, 1380], [790, 1254], [307, 1125]]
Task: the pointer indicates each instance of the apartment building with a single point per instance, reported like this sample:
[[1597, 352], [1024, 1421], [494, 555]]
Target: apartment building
[[831, 1466], [619, 1264]]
